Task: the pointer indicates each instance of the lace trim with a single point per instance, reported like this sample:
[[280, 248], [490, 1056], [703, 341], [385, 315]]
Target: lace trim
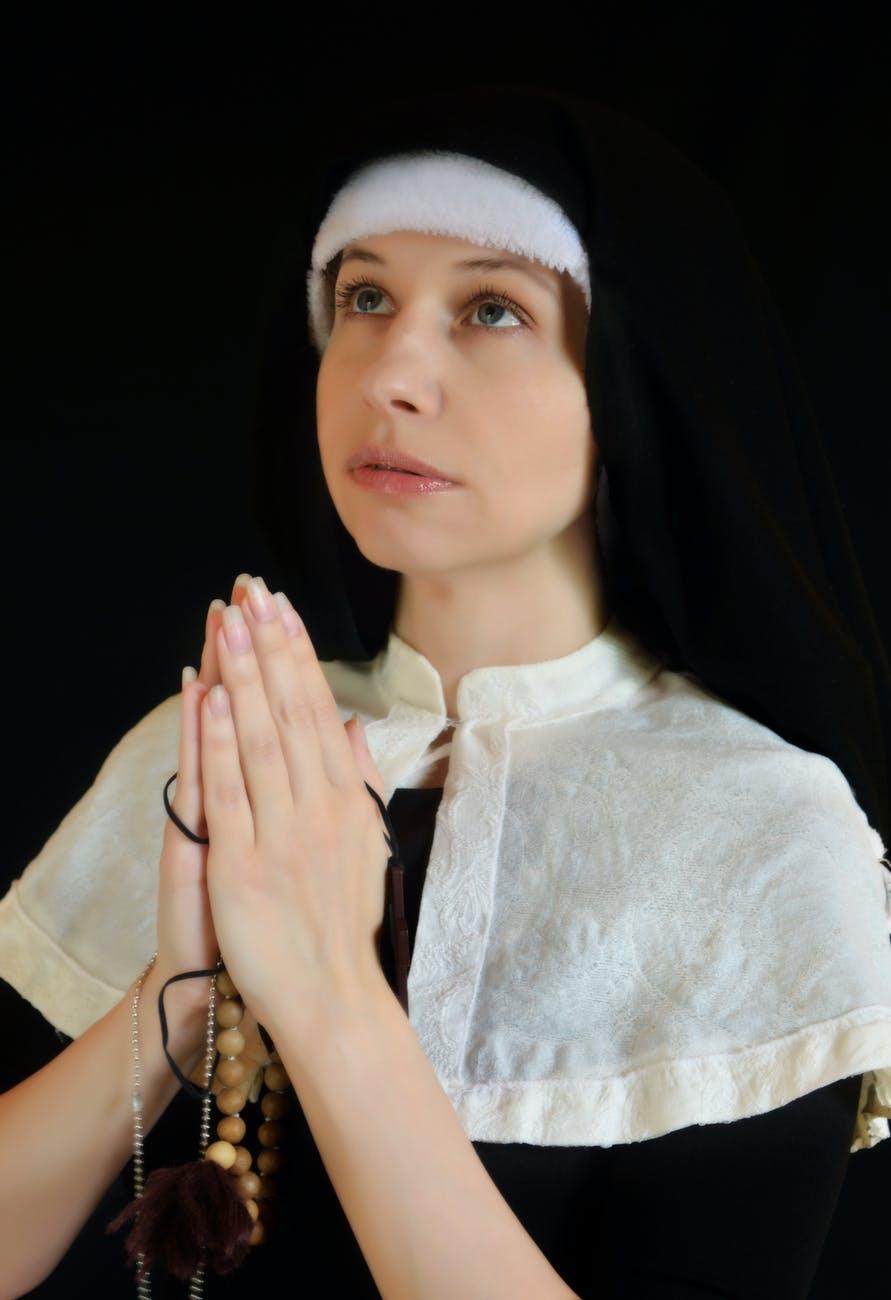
[[677, 1094]]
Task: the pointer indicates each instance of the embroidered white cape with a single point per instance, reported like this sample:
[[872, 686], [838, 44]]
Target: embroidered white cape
[[643, 910]]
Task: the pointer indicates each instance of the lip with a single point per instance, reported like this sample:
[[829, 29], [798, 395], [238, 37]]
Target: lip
[[391, 458]]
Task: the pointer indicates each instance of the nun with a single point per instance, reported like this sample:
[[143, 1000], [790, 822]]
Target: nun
[[539, 823]]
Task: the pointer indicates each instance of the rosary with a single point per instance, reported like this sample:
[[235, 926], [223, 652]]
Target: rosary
[[211, 1211]]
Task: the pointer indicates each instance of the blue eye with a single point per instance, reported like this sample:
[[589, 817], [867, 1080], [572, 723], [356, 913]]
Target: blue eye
[[494, 310], [492, 313], [360, 297], [487, 308], [368, 299]]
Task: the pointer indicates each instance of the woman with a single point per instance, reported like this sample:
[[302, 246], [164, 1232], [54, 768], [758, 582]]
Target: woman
[[651, 955]]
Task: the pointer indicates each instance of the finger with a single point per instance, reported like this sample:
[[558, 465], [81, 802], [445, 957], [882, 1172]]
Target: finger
[[188, 801], [263, 762], [227, 808], [186, 939], [300, 697], [209, 672], [239, 588]]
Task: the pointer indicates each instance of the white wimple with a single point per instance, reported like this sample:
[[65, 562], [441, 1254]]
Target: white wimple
[[444, 194]]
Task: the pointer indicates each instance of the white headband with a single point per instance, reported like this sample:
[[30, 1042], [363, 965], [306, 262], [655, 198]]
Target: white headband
[[443, 194]]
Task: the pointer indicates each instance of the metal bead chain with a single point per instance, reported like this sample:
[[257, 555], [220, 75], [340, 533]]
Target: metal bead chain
[[196, 1283], [143, 1284], [209, 1054]]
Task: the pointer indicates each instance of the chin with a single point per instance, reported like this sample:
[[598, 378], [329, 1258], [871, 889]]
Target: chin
[[399, 559], [399, 544]]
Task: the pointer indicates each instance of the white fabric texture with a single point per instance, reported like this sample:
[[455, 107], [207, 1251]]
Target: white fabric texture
[[643, 910], [439, 193]]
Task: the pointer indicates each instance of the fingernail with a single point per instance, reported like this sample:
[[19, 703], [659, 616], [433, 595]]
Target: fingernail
[[242, 580], [291, 620], [262, 604], [238, 638], [189, 675], [218, 701], [215, 605]]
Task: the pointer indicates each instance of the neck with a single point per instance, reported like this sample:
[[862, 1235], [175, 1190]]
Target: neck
[[542, 607]]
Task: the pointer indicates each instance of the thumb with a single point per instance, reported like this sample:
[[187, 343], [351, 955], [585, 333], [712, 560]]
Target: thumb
[[188, 798]]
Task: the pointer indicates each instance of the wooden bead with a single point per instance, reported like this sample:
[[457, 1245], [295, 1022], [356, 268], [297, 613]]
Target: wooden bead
[[249, 1186], [229, 1014], [225, 985], [276, 1077], [243, 1160], [270, 1134], [274, 1104], [231, 1129], [258, 1234], [221, 1153], [269, 1160], [231, 1100], [230, 1042], [252, 1208], [231, 1071]]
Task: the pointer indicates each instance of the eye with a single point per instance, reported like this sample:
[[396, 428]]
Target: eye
[[360, 298], [495, 310], [493, 313]]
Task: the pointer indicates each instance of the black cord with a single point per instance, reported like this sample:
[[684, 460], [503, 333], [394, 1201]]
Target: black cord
[[196, 839], [395, 904]]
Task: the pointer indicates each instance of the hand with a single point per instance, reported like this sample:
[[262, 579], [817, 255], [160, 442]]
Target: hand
[[297, 858], [186, 939]]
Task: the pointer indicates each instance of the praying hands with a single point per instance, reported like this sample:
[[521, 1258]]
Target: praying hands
[[297, 855]]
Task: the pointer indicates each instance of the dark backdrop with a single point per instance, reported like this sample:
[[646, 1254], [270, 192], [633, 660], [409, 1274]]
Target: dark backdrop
[[154, 170]]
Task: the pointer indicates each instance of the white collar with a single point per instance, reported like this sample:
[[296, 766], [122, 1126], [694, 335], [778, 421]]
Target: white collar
[[600, 674]]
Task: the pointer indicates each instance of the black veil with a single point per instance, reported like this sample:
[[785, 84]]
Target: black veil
[[725, 546]]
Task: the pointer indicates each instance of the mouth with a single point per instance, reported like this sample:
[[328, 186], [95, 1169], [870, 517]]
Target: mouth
[[389, 472], [392, 460]]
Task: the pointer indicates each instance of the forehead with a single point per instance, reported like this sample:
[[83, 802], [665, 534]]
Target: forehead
[[412, 249]]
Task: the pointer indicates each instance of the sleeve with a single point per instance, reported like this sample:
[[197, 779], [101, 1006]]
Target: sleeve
[[79, 923]]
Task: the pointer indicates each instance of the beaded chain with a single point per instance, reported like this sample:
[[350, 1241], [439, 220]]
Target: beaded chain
[[225, 1012], [254, 1188], [143, 1284], [196, 1283]]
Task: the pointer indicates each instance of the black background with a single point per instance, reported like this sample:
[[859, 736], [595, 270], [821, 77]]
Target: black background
[[155, 167]]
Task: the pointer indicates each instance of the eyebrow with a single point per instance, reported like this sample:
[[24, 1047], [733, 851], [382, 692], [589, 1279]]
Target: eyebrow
[[465, 264]]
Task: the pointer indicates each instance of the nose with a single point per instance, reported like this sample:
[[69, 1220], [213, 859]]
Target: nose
[[403, 373]]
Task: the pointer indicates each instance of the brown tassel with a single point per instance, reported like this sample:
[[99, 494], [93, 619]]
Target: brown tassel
[[187, 1216]]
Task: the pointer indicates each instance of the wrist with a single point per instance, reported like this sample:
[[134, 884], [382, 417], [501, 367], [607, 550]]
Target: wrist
[[185, 1006], [336, 1007]]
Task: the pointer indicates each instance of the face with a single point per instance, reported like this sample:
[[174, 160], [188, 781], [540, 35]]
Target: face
[[453, 421]]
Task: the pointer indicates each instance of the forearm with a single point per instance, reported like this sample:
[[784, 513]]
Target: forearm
[[426, 1215], [67, 1131]]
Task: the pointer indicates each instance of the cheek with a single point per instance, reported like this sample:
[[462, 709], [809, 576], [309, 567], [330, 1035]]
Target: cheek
[[332, 417], [326, 389], [549, 434]]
